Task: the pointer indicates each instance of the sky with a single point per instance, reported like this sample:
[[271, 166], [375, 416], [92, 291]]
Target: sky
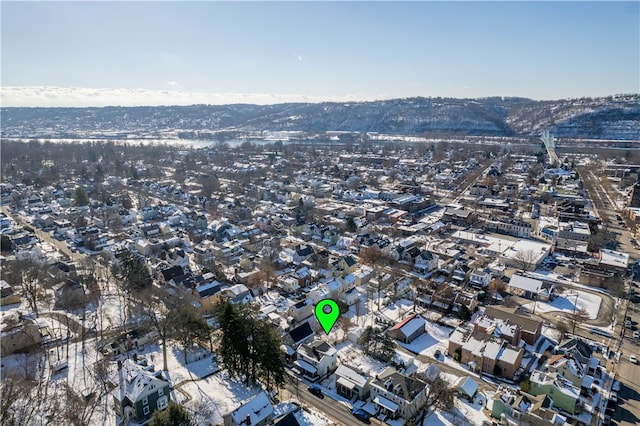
[[179, 53]]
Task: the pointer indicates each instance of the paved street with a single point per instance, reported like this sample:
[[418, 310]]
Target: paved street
[[331, 408], [628, 411]]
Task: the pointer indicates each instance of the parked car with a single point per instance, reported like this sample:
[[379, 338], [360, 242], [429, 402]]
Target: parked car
[[314, 389], [437, 354], [627, 324], [361, 415], [616, 386], [636, 334], [633, 359]]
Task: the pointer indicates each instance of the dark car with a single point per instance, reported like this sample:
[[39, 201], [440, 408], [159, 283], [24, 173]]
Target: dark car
[[361, 415], [316, 391]]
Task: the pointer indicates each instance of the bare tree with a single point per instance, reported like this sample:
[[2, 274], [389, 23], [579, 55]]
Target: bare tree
[[359, 308], [562, 328], [31, 277], [579, 317], [372, 256], [525, 259], [162, 315]]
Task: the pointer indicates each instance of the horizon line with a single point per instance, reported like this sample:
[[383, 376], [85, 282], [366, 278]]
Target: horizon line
[[81, 97]]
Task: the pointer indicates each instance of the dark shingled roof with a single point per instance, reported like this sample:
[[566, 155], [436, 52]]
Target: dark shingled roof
[[288, 420], [301, 332]]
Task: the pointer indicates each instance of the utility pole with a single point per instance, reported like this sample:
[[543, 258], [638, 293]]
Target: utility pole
[[575, 306]]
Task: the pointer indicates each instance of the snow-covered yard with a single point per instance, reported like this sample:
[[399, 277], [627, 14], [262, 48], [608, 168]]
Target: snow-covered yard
[[570, 300], [435, 338]]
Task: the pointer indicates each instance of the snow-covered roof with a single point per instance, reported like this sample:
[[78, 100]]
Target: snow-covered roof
[[509, 354], [492, 349], [524, 283], [305, 366], [409, 325], [139, 381], [467, 385], [384, 402], [614, 258], [256, 410], [432, 372], [351, 375]]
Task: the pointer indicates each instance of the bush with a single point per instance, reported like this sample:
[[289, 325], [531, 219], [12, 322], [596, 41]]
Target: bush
[[457, 355]]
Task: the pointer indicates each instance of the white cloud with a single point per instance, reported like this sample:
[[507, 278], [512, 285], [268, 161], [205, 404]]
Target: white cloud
[[48, 96], [298, 57], [175, 84]]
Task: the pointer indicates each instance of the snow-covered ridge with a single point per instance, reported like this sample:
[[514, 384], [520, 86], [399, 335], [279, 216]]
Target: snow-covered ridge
[[594, 118]]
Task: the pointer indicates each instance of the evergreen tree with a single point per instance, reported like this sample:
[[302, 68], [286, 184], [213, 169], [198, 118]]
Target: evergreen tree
[[174, 415], [248, 347], [365, 339], [81, 198], [133, 272], [189, 328], [464, 313]]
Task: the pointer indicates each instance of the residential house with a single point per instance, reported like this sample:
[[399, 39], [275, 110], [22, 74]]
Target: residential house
[[256, 411], [443, 298], [19, 333], [480, 278], [287, 420], [302, 253], [567, 366], [203, 253], [167, 273], [300, 334], [407, 330], [514, 407], [316, 360], [459, 216], [7, 295], [425, 262], [69, 294], [485, 353], [576, 348], [509, 324], [466, 387], [509, 226], [344, 266], [350, 297], [208, 292], [351, 383], [300, 310], [140, 393], [396, 394], [238, 293], [562, 392], [529, 288]]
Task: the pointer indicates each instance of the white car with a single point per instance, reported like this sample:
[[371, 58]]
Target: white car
[[636, 334], [633, 359]]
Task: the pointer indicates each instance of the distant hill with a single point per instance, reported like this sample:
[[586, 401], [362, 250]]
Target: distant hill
[[595, 118]]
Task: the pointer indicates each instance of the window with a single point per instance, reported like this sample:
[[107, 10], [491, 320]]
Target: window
[[160, 392], [146, 410], [145, 401]]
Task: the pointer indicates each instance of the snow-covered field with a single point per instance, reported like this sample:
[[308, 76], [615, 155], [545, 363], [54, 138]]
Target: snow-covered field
[[570, 300], [435, 338]]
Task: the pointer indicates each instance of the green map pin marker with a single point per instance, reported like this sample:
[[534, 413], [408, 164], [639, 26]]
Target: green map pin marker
[[327, 312]]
